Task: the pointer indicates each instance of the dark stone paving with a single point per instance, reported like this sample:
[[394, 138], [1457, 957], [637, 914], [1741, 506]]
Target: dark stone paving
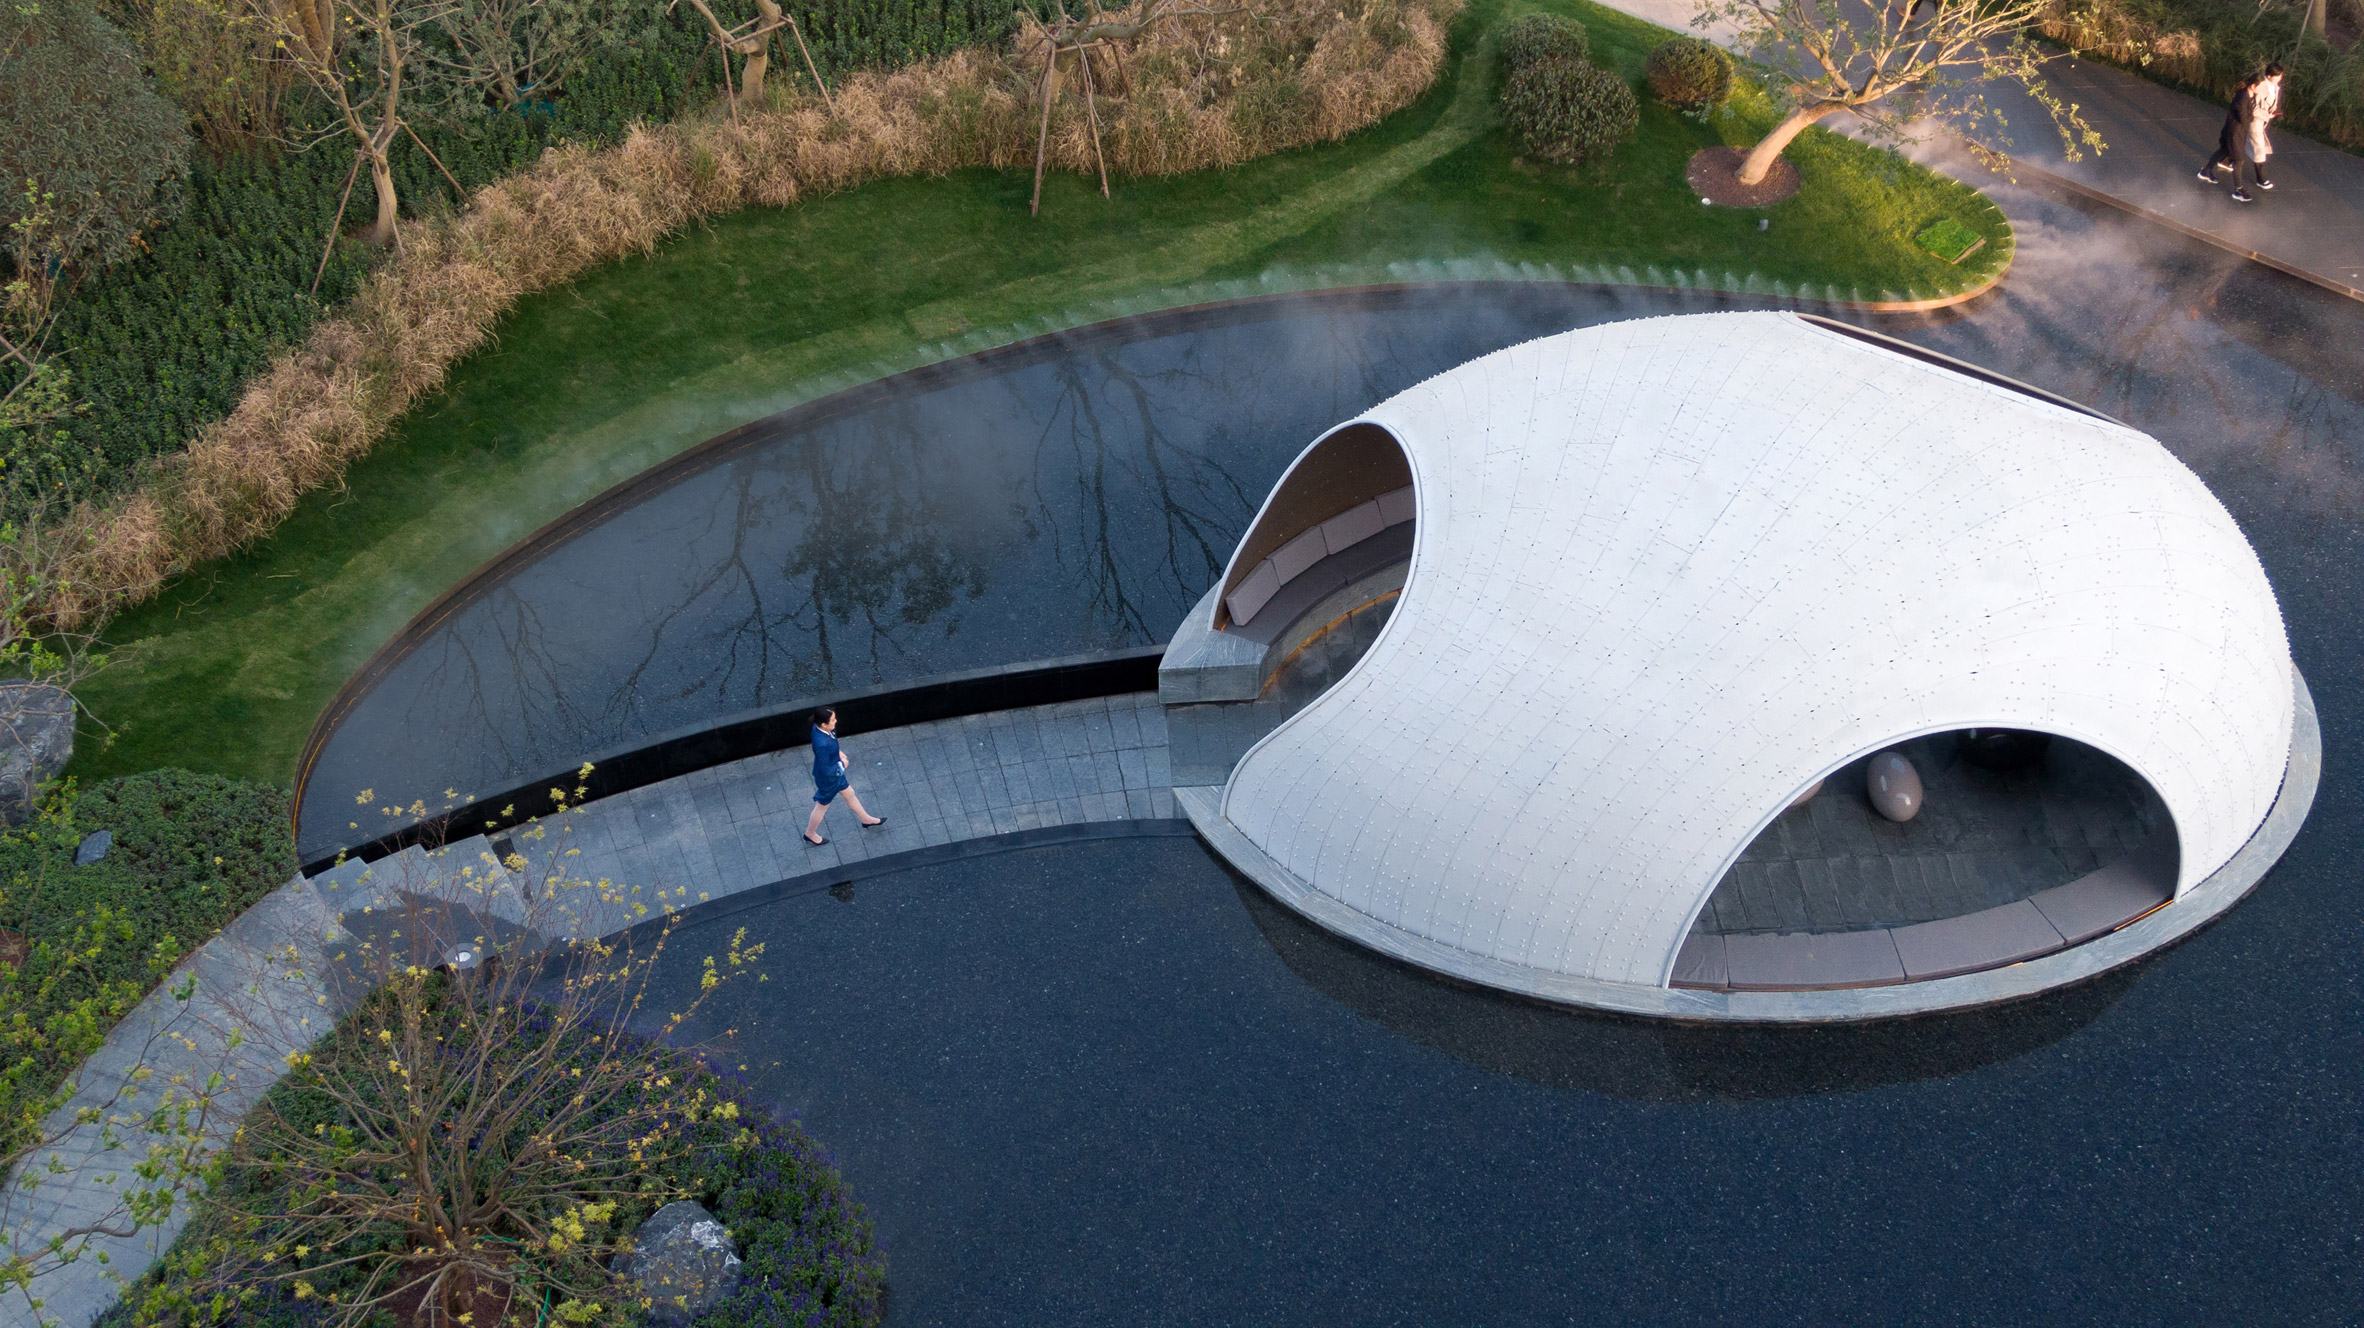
[[1983, 839]]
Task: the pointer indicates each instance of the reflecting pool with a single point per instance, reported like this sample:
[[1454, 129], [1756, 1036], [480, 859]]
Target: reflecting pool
[[1078, 493], [1113, 1083], [1074, 494]]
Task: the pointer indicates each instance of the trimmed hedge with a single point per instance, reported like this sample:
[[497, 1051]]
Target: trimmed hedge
[[163, 344], [1543, 37], [1569, 111], [190, 853], [1690, 74]]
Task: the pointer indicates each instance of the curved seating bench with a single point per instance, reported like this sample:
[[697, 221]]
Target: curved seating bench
[[2053, 920], [1354, 543]]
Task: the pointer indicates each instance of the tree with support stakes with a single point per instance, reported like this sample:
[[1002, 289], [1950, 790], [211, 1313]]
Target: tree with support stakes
[[358, 55], [752, 40], [1858, 55], [1065, 39]]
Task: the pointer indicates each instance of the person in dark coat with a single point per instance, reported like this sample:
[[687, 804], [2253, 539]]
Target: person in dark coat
[[2243, 141], [829, 779]]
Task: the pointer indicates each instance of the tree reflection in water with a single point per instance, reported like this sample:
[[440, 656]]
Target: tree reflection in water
[[1075, 496], [1080, 493]]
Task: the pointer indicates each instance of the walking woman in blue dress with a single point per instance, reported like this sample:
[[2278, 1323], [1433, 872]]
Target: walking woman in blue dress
[[829, 778]]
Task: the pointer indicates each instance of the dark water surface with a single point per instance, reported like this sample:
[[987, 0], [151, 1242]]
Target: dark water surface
[[1078, 495], [1108, 1084], [1113, 1083]]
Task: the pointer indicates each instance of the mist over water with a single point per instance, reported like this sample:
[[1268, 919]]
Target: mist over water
[[1079, 493], [1075, 494], [1110, 1083]]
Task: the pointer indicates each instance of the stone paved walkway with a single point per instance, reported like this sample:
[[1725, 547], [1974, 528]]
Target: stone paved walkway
[[2311, 225], [706, 835]]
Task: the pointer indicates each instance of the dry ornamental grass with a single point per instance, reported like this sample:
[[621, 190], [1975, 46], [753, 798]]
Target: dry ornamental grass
[[1189, 94]]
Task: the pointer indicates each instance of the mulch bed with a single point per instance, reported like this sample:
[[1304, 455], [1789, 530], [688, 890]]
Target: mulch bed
[[1714, 174]]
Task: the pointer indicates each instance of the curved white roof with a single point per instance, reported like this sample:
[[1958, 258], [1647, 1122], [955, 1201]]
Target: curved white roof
[[1668, 572]]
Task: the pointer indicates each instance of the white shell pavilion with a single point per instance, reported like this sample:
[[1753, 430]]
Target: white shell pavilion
[[1660, 577]]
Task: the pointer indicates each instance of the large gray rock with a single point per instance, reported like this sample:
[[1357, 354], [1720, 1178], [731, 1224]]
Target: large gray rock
[[684, 1261], [36, 741], [1893, 786]]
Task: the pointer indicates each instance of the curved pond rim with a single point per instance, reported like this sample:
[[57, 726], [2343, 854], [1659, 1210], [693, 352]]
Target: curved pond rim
[[776, 728], [943, 373], [890, 864]]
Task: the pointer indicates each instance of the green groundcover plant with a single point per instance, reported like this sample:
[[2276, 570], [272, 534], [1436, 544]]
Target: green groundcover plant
[[190, 853]]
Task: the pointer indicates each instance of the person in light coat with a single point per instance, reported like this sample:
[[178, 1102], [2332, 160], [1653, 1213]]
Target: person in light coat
[[2244, 141]]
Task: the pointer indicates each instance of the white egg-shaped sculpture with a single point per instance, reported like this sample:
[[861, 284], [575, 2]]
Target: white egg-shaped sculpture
[[1893, 786]]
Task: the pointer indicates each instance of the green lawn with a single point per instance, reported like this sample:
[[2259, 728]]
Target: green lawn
[[641, 359]]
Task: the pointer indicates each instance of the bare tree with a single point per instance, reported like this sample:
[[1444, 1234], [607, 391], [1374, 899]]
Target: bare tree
[[1856, 55], [358, 55], [503, 52], [752, 41], [1067, 40]]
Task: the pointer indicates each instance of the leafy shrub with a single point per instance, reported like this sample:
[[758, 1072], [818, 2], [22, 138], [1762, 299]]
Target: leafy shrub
[[1690, 74], [1539, 38], [1568, 111], [809, 1257], [215, 61], [163, 344], [82, 130], [190, 853]]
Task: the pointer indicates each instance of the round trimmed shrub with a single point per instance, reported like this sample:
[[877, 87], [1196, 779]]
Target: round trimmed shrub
[[1540, 38], [1690, 74], [1568, 111]]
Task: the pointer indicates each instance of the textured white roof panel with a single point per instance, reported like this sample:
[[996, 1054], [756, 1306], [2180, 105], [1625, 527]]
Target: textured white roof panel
[[1669, 572]]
